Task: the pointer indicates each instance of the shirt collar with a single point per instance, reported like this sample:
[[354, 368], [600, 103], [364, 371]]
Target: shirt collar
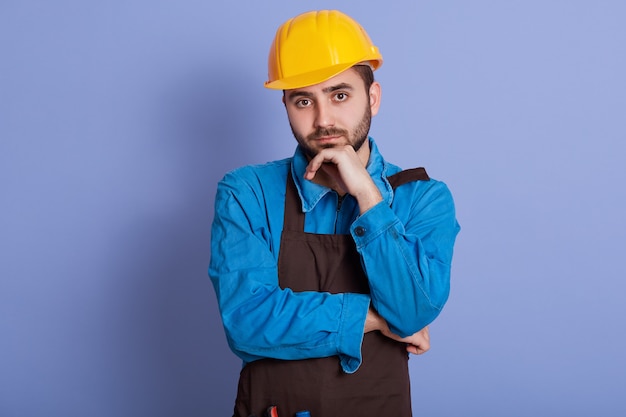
[[311, 193]]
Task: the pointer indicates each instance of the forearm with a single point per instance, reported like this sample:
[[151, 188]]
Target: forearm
[[408, 268], [263, 321]]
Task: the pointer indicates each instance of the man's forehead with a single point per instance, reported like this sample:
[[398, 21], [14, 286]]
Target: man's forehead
[[348, 79]]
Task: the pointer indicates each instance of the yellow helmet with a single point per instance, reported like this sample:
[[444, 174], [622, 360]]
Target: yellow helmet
[[315, 46]]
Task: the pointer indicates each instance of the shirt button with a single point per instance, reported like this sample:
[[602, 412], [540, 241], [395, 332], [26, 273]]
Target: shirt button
[[360, 231]]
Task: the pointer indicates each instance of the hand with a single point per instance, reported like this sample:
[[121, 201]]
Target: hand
[[417, 343], [345, 172]]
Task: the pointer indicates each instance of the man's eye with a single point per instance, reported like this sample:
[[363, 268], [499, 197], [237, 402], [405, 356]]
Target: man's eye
[[341, 96], [303, 103]]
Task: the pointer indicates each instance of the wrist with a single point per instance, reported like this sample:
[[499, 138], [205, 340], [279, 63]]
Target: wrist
[[373, 321], [368, 199]]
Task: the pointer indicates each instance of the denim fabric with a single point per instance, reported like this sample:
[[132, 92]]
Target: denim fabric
[[405, 242]]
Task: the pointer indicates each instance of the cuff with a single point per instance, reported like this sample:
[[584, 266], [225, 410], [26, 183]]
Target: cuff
[[351, 331], [372, 223]]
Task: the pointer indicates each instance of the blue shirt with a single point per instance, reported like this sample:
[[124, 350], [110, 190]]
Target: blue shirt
[[406, 252]]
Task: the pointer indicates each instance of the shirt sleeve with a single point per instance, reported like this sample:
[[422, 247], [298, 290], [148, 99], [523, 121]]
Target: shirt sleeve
[[406, 250], [260, 319]]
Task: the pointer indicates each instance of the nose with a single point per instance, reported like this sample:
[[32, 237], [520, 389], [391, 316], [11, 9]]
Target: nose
[[324, 116]]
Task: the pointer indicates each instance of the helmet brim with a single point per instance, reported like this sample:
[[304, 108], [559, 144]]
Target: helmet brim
[[316, 77]]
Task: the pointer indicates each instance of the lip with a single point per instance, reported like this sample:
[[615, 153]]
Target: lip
[[326, 139]]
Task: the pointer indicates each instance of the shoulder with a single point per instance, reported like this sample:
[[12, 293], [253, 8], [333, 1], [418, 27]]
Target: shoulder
[[424, 199], [417, 185], [417, 191], [258, 175]]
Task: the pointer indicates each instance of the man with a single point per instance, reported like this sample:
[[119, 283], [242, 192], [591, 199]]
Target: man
[[329, 265]]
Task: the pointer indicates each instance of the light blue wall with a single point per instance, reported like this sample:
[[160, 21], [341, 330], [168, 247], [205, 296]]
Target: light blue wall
[[117, 118]]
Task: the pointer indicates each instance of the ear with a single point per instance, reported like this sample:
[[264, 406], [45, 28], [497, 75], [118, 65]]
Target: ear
[[375, 96]]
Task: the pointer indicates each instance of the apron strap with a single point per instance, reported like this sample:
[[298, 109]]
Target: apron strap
[[408, 175], [294, 217]]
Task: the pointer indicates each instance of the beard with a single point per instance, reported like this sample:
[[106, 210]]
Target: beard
[[356, 138]]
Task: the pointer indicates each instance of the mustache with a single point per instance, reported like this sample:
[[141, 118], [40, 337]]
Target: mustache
[[326, 131]]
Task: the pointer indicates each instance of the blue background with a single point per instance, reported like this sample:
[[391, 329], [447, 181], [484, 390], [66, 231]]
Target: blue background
[[117, 119]]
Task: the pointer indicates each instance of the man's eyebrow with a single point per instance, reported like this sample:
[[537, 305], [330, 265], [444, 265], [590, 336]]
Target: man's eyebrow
[[341, 86], [330, 89], [298, 93]]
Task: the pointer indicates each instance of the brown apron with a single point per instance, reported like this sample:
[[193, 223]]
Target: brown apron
[[328, 263]]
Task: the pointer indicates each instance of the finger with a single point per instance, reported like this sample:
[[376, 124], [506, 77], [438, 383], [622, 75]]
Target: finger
[[312, 169], [416, 350], [316, 163]]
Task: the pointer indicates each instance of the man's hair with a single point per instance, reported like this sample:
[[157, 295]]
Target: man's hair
[[367, 75]]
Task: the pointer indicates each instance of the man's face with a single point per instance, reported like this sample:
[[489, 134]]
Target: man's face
[[332, 113]]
